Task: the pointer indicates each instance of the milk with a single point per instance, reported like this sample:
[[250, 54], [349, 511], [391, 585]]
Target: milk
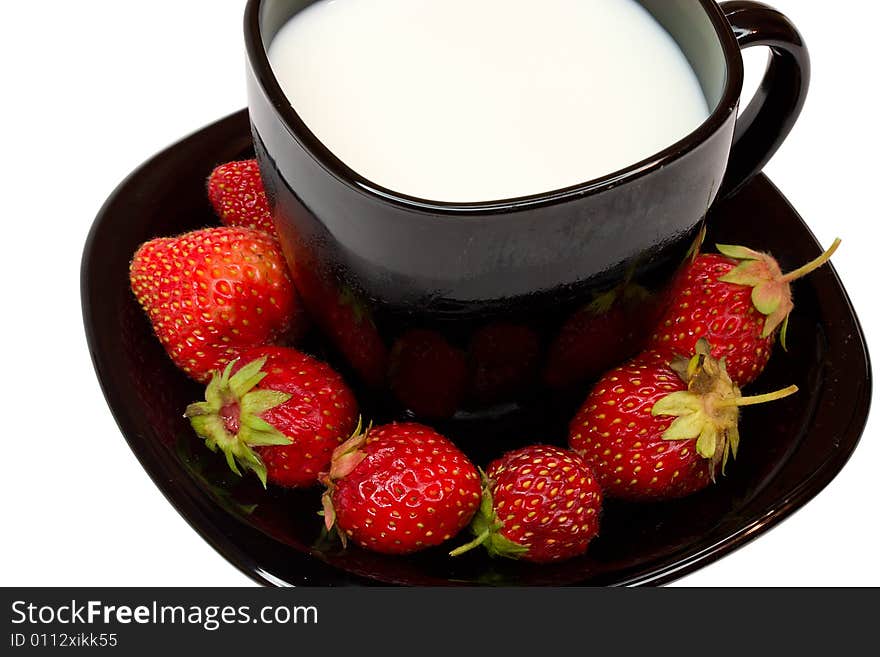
[[480, 100]]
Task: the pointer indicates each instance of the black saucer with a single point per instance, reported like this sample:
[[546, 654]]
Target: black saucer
[[790, 451]]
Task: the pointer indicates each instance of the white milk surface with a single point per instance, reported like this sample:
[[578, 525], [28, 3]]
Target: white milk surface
[[480, 100]]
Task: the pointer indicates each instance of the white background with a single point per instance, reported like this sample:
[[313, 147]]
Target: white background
[[94, 87]]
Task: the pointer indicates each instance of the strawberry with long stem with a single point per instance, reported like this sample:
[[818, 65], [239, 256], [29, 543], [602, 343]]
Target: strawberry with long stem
[[655, 429], [739, 300]]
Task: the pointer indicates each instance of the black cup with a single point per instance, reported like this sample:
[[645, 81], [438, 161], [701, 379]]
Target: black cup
[[463, 309]]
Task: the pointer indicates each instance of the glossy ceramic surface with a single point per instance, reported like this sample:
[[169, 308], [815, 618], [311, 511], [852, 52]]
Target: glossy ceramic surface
[[790, 451], [526, 266]]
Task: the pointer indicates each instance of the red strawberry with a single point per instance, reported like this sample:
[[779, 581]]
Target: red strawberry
[[600, 335], [278, 413], [628, 431], [400, 488], [428, 375], [351, 327], [213, 293], [539, 504], [344, 320], [239, 199], [738, 301], [504, 359]]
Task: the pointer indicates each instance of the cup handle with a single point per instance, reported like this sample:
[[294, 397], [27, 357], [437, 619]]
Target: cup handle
[[772, 113]]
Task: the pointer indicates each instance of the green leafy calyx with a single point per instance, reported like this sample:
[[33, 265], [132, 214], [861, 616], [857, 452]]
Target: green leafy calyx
[[708, 411], [771, 289], [230, 419], [346, 457]]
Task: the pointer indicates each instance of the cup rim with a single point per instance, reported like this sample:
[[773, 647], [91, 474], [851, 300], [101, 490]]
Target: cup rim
[[259, 62]]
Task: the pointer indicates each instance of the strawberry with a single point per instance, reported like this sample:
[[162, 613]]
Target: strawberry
[[236, 191], [738, 300], [399, 488], [504, 359], [656, 430], [213, 293], [600, 335], [351, 327], [344, 320], [278, 413], [428, 375], [539, 504]]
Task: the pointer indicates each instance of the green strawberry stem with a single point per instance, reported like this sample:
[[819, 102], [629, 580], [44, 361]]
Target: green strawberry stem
[[486, 525], [810, 267], [757, 399], [477, 542], [230, 417]]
